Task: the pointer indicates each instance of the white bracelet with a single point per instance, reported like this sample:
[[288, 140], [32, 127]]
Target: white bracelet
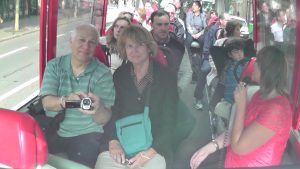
[[61, 100], [144, 156]]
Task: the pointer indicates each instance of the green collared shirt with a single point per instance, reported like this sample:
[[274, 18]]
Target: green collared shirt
[[59, 81]]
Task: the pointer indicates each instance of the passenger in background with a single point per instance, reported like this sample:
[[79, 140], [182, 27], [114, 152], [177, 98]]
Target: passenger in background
[[262, 126], [264, 19], [223, 18], [235, 50], [209, 38], [118, 26], [195, 25], [232, 30], [172, 49], [74, 77], [180, 13], [149, 9], [130, 15], [141, 78], [140, 16], [177, 24], [289, 37], [277, 28]]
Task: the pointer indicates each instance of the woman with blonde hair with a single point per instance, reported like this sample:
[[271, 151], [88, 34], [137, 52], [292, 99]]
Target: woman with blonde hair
[[141, 83]]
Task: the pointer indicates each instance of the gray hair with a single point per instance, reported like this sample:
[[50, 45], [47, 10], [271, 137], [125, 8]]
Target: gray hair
[[85, 26]]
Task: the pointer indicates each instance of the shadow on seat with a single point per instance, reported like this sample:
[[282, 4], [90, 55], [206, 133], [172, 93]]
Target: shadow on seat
[[22, 142]]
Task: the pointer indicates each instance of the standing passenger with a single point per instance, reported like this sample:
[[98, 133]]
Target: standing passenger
[[195, 24], [172, 48], [264, 20]]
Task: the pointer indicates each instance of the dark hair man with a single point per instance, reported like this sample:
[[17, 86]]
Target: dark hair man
[[174, 50]]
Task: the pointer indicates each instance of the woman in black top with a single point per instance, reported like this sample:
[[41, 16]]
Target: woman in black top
[[132, 81]]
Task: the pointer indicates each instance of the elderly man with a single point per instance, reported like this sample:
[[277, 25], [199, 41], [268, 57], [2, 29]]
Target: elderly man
[[178, 25], [67, 81]]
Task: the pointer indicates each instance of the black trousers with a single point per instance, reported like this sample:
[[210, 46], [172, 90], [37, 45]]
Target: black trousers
[[194, 54], [83, 149]]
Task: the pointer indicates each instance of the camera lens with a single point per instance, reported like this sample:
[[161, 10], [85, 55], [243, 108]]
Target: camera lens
[[86, 101]]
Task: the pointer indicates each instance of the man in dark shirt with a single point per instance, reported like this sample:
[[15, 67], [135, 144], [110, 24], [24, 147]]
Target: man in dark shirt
[[172, 49], [177, 24]]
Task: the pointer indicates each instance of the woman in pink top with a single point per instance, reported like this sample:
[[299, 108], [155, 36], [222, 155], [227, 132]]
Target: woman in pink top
[[262, 126]]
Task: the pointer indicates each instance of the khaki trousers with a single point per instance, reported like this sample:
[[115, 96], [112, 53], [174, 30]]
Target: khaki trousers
[[104, 161]]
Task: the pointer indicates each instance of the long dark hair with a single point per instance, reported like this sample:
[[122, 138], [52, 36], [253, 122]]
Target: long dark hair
[[111, 40], [273, 71]]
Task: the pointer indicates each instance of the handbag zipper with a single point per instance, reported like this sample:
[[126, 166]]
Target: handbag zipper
[[132, 124]]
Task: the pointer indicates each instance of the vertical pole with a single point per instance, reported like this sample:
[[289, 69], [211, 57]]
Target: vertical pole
[[17, 12], [52, 29], [43, 38], [296, 77]]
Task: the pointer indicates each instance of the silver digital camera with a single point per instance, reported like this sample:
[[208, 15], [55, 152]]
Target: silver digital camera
[[85, 103]]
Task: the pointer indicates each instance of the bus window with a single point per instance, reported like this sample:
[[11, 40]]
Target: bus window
[[70, 15], [276, 23]]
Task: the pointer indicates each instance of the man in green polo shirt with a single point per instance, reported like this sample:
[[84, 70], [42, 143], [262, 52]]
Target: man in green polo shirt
[[74, 77]]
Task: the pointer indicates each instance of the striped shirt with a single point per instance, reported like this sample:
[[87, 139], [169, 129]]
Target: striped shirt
[[59, 81]]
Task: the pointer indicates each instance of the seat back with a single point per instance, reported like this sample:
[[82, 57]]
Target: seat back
[[22, 142], [248, 70]]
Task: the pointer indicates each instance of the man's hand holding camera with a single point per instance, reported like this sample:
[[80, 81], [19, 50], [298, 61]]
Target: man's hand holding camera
[[89, 104]]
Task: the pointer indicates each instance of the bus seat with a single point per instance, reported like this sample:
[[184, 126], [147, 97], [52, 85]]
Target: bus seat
[[249, 68], [99, 53], [22, 142]]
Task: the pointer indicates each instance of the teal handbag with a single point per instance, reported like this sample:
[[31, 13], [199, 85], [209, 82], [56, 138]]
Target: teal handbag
[[134, 132]]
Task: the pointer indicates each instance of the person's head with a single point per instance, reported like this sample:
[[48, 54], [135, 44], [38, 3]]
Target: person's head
[[224, 18], [140, 15], [117, 28], [265, 7], [270, 71], [233, 28], [213, 13], [171, 9], [177, 3], [280, 15], [235, 48], [126, 14], [196, 6], [160, 22], [83, 42], [148, 5], [136, 44]]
